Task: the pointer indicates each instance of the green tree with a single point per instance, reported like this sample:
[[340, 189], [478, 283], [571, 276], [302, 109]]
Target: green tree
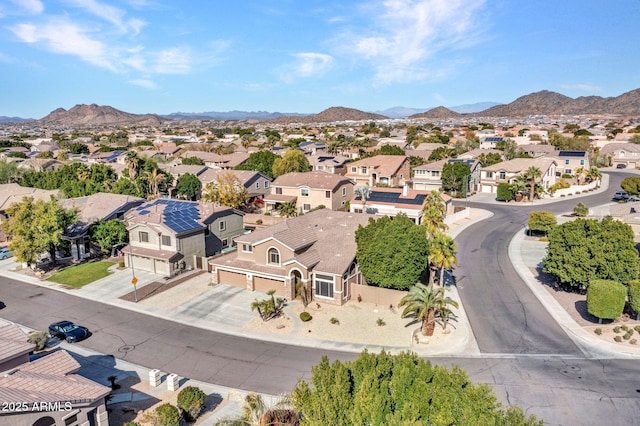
[[509, 148], [133, 161], [188, 186], [167, 415], [108, 233], [489, 159], [421, 303], [261, 161], [586, 249], [190, 401], [631, 184], [580, 210], [192, 161], [593, 174], [532, 173], [126, 186], [442, 254], [392, 252], [227, 191], [504, 192], [385, 389], [293, 161], [441, 153], [541, 221], [36, 227], [433, 214], [455, 176], [605, 299], [9, 172]]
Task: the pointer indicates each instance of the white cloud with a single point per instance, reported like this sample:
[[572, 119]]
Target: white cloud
[[307, 64], [407, 33], [33, 7], [65, 37], [110, 14], [581, 87], [6, 59], [172, 61], [145, 83]]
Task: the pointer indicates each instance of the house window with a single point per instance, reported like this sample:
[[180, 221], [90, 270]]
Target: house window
[[324, 285], [489, 175], [279, 191], [304, 192], [306, 207], [357, 210], [143, 236], [223, 225], [353, 169], [225, 243], [503, 175], [419, 172], [363, 170], [344, 192], [582, 162], [327, 194], [401, 177], [71, 420], [567, 171], [166, 240], [257, 185], [435, 173], [247, 248], [266, 183], [274, 256], [566, 161]]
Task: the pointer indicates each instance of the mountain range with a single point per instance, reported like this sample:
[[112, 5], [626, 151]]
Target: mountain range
[[539, 103]]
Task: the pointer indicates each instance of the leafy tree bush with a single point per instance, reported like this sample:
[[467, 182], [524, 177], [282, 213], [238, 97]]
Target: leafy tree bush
[[39, 338], [190, 401], [580, 210], [192, 161], [583, 250], [167, 415], [455, 178], [631, 185], [385, 389], [305, 316], [504, 192], [605, 299], [634, 296], [108, 233], [392, 252], [293, 161], [261, 161], [188, 185], [540, 221]]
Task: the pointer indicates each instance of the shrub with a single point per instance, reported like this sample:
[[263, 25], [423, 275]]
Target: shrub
[[580, 210], [167, 415], [121, 263], [618, 339], [624, 327], [504, 192], [259, 222], [605, 299], [616, 329], [540, 221], [39, 338], [334, 320], [190, 401], [634, 296], [633, 341], [380, 322], [598, 331], [627, 335], [305, 316], [280, 416], [637, 328]]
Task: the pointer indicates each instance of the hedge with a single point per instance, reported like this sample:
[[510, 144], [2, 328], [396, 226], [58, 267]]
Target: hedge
[[504, 192], [606, 298], [634, 296]]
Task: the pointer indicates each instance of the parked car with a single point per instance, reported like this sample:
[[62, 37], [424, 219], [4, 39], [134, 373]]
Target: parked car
[[621, 166], [68, 331], [621, 196], [5, 253], [632, 199]]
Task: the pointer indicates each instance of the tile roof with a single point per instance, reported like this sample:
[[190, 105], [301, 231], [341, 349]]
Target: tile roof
[[518, 165], [316, 180], [12, 192], [386, 165], [13, 342], [50, 379], [612, 148], [178, 215]]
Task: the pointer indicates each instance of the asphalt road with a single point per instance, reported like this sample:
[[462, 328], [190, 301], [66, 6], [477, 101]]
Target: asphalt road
[[528, 359]]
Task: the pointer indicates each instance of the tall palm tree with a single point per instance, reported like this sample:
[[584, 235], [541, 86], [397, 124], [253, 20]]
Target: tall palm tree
[[532, 174], [421, 302], [579, 172], [433, 214], [442, 253], [156, 177], [133, 162], [593, 174]]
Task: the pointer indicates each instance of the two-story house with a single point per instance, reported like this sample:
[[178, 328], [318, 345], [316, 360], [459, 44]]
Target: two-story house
[[428, 177], [570, 161], [218, 161], [508, 171], [393, 201], [310, 190], [624, 153], [257, 184], [316, 250], [381, 170], [329, 163], [166, 236]]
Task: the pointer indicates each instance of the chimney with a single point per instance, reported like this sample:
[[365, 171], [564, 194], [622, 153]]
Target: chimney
[[405, 190]]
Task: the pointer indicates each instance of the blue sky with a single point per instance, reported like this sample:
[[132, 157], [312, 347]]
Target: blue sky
[[161, 56]]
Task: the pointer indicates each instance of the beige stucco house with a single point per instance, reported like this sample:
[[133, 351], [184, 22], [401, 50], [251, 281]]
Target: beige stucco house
[[310, 190], [381, 170], [508, 171], [317, 249]]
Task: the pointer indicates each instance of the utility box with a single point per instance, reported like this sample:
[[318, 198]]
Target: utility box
[[154, 378], [172, 382]]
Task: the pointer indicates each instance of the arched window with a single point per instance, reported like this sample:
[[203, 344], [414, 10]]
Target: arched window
[[45, 421], [273, 256]]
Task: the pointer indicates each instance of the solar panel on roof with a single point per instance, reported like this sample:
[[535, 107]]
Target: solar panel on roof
[[571, 153], [394, 197]]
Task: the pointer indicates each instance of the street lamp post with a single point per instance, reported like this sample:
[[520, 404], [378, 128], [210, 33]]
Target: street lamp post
[[134, 280]]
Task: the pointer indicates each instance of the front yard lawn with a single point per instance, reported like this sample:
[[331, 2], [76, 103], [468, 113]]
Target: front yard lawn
[[80, 275]]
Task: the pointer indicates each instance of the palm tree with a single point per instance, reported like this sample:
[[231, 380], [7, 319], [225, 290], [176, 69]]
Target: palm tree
[[519, 185], [433, 214], [593, 174], [132, 161], [579, 172], [155, 177], [287, 209], [532, 174], [421, 302], [444, 312], [442, 253]]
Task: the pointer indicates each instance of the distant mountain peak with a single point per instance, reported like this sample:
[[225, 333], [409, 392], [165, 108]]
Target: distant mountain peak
[[96, 115]]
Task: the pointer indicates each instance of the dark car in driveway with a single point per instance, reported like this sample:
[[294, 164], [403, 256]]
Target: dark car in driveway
[[66, 330], [621, 196]]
